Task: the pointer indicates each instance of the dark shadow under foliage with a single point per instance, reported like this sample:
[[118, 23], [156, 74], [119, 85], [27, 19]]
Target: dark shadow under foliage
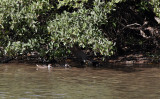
[[131, 25]]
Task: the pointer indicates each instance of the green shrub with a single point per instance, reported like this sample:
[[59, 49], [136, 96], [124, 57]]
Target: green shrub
[[37, 25], [156, 7]]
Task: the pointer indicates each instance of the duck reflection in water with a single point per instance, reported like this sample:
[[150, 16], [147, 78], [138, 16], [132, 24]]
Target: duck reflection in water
[[49, 66]]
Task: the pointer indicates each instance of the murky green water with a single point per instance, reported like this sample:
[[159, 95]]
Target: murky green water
[[21, 81]]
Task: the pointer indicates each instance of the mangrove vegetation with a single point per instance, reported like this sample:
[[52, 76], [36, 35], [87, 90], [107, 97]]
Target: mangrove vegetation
[[90, 30]]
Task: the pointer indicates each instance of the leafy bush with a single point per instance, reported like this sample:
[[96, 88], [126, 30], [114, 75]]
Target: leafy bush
[[156, 7], [82, 28], [48, 28], [19, 21]]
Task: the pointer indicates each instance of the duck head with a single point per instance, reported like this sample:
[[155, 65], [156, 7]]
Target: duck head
[[49, 66]]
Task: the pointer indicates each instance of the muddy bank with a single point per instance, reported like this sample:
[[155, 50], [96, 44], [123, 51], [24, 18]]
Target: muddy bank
[[130, 59], [134, 59]]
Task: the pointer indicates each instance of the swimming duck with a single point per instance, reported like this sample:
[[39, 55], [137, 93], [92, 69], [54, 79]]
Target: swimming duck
[[44, 66], [67, 66]]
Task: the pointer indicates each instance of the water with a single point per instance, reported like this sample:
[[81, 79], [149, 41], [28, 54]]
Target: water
[[22, 81]]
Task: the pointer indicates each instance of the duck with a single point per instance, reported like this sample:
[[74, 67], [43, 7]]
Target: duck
[[44, 66], [67, 66]]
